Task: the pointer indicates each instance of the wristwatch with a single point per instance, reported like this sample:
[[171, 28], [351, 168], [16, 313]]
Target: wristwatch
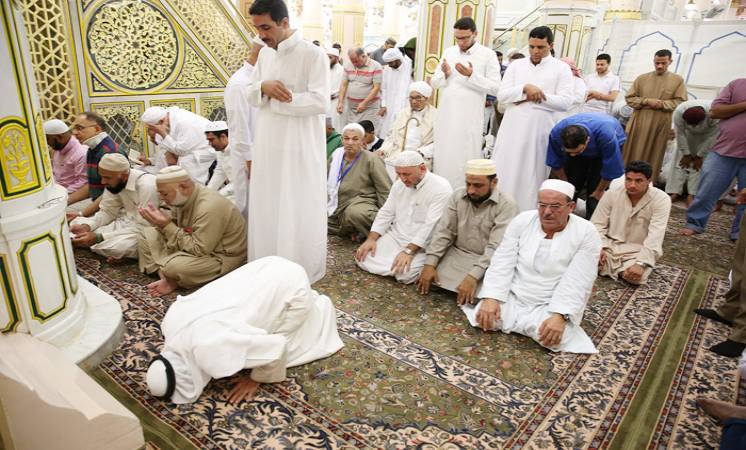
[[644, 265], [408, 251]]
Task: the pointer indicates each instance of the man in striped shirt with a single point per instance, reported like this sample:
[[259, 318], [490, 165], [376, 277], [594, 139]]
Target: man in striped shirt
[[359, 93]]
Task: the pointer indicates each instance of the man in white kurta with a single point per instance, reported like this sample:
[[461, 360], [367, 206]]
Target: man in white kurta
[[394, 87], [467, 72], [113, 230], [533, 91], [336, 72], [222, 177], [263, 316], [182, 134], [579, 91], [603, 87], [542, 274], [403, 227], [287, 199]]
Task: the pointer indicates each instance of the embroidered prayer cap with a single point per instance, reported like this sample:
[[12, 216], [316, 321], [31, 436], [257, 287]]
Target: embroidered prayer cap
[[480, 167], [694, 115], [422, 88], [218, 125], [172, 174], [332, 51], [55, 126], [409, 158], [153, 115], [116, 162], [354, 126], [559, 186], [392, 54]]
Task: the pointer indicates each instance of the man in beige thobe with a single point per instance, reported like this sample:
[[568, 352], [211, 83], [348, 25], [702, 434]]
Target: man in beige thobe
[[202, 239], [654, 96], [632, 223], [467, 234]]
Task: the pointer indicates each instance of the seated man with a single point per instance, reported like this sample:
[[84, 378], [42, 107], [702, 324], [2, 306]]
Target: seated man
[[372, 141], [542, 274], [114, 229], [202, 239], [468, 232], [263, 316], [217, 135], [632, 223], [405, 222], [333, 139], [357, 185], [68, 160]]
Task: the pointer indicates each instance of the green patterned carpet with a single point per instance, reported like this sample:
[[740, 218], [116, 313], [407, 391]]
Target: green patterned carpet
[[414, 374]]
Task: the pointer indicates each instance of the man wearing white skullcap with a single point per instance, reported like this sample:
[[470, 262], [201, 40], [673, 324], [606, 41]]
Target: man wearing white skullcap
[[68, 160], [397, 75], [336, 72], [542, 274], [403, 226], [467, 234], [412, 128], [222, 176], [203, 238], [113, 230]]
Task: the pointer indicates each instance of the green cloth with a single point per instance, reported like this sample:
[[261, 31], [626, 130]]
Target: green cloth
[[333, 142]]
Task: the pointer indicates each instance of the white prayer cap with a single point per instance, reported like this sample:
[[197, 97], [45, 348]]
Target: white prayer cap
[[511, 51], [480, 167], [116, 162], [172, 174], [559, 186], [157, 378], [332, 51], [409, 158], [153, 115], [55, 126], [354, 126], [392, 54], [421, 88], [218, 125]]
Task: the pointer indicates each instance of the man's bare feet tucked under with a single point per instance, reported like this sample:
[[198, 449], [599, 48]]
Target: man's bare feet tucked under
[[720, 410], [161, 287], [114, 260], [688, 232], [244, 389]]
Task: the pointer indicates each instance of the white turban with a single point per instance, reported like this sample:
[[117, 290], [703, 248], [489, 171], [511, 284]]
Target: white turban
[[116, 162], [55, 126], [332, 51], [354, 126], [218, 125], [172, 174], [409, 158], [153, 115], [392, 54], [559, 186], [421, 88], [480, 167]]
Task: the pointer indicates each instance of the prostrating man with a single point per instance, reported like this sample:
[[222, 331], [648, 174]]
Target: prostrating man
[[360, 90], [216, 134], [533, 91], [726, 160], [653, 96], [377, 54], [467, 234], [696, 132], [397, 75], [333, 139], [114, 229], [632, 224], [467, 72], [335, 80], [603, 87], [203, 238], [403, 226], [542, 274], [181, 133], [68, 160], [263, 316], [357, 185], [586, 150], [290, 84]]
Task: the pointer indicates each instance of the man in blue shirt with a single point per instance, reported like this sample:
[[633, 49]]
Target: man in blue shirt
[[586, 150]]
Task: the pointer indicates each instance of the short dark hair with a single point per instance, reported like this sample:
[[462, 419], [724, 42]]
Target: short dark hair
[[518, 55], [367, 126], [663, 53], [277, 9], [391, 41], [605, 57], [573, 135], [498, 53], [639, 167], [337, 45], [542, 32], [465, 23], [218, 133], [97, 119]]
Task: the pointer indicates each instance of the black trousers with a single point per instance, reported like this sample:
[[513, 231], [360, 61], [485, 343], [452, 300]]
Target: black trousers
[[584, 174]]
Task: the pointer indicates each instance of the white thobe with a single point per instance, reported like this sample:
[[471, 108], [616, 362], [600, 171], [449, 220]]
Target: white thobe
[[520, 150], [605, 85], [262, 316], [186, 139], [222, 176], [459, 121], [578, 99], [394, 93], [533, 277], [335, 80], [408, 217], [241, 117], [118, 220], [287, 197]]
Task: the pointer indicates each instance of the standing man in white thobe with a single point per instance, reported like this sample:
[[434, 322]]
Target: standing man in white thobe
[[468, 71], [603, 87], [287, 199], [336, 72], [403, 227], [579, 92], [533, 91], [541, 276], [394, 87]]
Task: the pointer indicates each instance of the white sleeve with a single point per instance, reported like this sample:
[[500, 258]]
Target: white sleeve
[[499, 274], [316, 99]]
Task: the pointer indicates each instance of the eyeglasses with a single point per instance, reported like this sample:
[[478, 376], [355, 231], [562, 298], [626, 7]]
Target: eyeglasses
[[417, 98], [554, 207], [81, 127]]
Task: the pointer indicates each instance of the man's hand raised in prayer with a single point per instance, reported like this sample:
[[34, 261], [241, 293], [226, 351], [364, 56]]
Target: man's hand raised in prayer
[[428, 276], [369, 246], [276, 90], [634, 273], [244, 389], [488, 314], [79, 229], [533, 93], [466, 290], [446, 68], [401, 263], [154, 216], [465, 70], [697, 162], [654, 103], [70, 216], [551, 330]]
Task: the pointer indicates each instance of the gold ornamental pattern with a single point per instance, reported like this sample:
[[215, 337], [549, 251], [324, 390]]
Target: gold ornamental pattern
[[195, 74]]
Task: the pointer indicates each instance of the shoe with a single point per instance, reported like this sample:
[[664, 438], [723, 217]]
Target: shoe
[[728, 348], [712, 314]]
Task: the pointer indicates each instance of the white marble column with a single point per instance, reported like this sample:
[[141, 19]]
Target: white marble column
[[348, 23], [572, 22], [311, 21], [391, 22]]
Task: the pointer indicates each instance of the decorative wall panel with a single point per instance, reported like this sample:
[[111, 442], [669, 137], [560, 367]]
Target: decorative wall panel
[[20, 173], [187, 103], [212, 108], [124, 123], [39, 260], [196, 74]]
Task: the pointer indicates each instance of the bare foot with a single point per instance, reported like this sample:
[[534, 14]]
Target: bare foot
[[688, 232], [244, 389], [721, 410], [718, 206], [161, 287], [114, 260]]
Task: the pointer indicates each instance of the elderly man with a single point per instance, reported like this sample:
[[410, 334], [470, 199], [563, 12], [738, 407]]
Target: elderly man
[[357, 185], [394, 86], [68, 160], [404, 224], [541, 276], [263, 316], [202, 239], [216, 134], [113, 230], [181, 134], [467, 234], [632, 224], [359, 94]]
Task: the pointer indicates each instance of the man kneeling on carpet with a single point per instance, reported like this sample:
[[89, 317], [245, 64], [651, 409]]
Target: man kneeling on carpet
[[542, 274], [263, 316]]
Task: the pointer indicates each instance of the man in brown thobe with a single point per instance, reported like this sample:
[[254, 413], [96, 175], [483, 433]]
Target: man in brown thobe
[[654, 96]]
